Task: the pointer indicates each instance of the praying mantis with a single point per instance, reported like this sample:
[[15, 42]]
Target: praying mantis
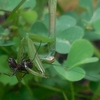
[[24, 65]]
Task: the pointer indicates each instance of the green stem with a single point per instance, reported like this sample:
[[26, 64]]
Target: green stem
[[64, 95], [72, 90], [18, 6], [52, 22], [53, 89], [52, 17], [8, 21]]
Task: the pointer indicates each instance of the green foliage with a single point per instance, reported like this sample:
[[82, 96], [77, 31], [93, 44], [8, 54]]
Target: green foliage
[[74, 74], [39, 25], [93, 69], [24, 34], [64, 22], [22, 93], [9, 5], [29, 16], [77, 56], [71, 34], [86, 4]]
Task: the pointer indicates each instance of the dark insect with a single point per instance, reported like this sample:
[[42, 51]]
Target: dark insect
[[19, 67], [25, 67]]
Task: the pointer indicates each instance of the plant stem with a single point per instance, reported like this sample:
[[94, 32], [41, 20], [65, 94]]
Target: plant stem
[[52, 22], [15, 9], [11, 16], [72, 90], [64, 95], [52, 17], [18, 6]]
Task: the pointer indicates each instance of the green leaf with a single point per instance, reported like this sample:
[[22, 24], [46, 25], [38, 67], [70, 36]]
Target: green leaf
[[92, 71], [62, 46], [21, 93], [73, 14], [85, 19], [92, 36], [94, 86], [46, 20], [9, 5], [71, 34], [86, 4], [95, 20], [98, 4], [29, 16], [74, 74], [6, 43], [29, 4], [87, 60], [17, 41], [80, 50], [39, 28], [1, 30], [96, 26], [4, 32], [8, 80], [95, 16], [4, 64], [64, 22]]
